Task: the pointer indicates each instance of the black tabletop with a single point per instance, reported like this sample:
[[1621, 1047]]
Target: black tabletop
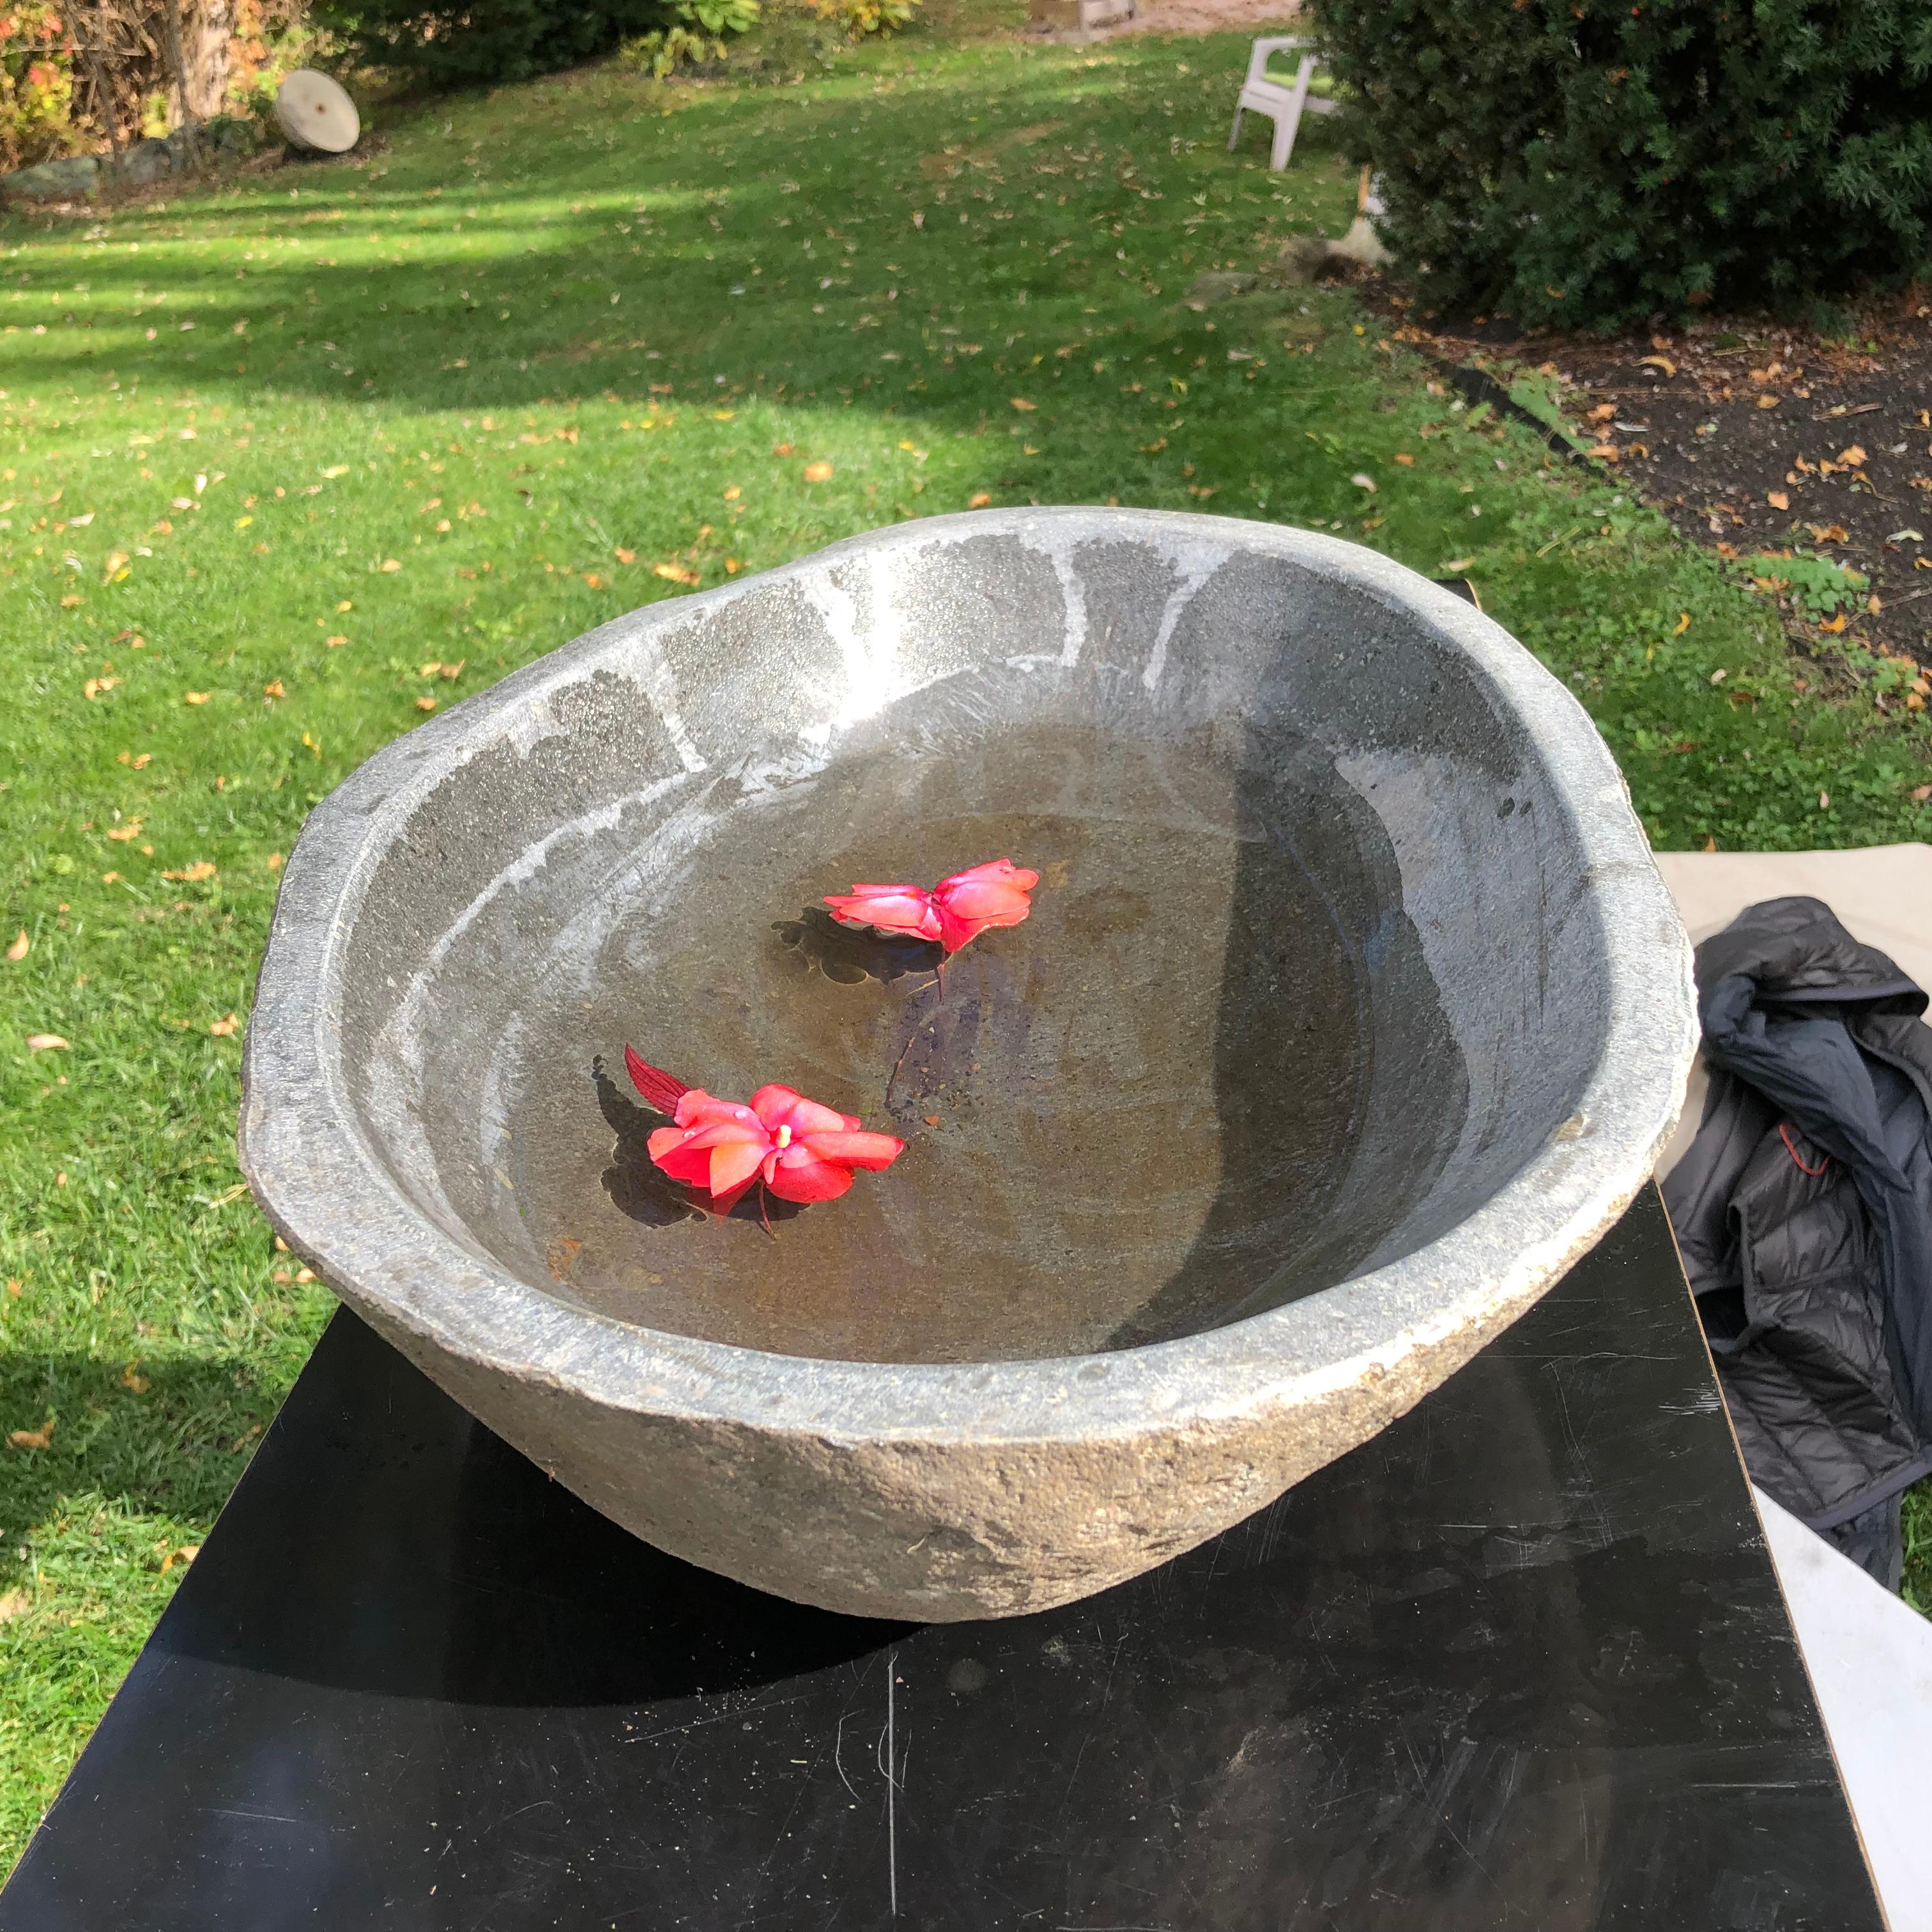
[[1521, 1661]]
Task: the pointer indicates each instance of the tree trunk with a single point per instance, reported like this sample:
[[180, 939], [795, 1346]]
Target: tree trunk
[[205, 58]]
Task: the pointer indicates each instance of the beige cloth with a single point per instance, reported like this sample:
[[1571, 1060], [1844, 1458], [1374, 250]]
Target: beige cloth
[[1881, 894]]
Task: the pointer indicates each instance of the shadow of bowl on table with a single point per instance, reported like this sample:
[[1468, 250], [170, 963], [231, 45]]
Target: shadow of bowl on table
[[387, 1543]]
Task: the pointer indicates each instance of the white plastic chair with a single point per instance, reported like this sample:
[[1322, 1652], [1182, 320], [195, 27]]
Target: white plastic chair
[[1283, 105]]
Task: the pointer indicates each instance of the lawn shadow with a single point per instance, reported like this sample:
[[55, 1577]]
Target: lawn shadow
[[164, 1438]]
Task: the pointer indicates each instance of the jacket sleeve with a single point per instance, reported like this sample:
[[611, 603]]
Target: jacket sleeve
[[1697, 1191], [1808, 1066]]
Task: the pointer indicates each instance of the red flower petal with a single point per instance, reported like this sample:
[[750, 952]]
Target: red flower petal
[[954, 931], [994, 894], [995, 871], [734, 1163], [699, 1108], [891, 908], [798, 1177], [671, 1151], [727, 1133], [663, 1091], [781, 1107], [876, 1151]]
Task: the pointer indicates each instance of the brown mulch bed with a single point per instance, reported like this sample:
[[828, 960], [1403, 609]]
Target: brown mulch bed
[[1757, 438]]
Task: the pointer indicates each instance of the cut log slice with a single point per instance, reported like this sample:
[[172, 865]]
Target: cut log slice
[[315, 113]]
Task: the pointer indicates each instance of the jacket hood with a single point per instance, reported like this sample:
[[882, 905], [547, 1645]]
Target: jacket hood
[[1794, 950]]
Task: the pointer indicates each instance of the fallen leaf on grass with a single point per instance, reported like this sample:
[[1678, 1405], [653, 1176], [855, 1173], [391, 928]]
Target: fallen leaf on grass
[[1683, 624], [1021, 403], [425, 704], [1777, 499], [33, 1439], [275, 689], [676, 573], [19, 948], [1827, 532], [194, 697], [819, 472], [1455, 565], [131, 1377], [1363, 480], [624, 556], [15, 1602], [978, 499], [45, 1042], [193, 874], [390, 564], [273, 861], [94, 686], [70, 601], [121, 834], [224, 1026], [186, 1553], [1920, 793], [1834, 625], [1407, 461]]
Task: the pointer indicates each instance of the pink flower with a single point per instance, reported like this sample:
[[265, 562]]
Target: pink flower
[[802, 1152], [956, 910]]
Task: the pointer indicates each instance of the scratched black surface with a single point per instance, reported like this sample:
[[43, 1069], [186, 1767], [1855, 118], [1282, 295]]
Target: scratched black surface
[[1521, 1661]]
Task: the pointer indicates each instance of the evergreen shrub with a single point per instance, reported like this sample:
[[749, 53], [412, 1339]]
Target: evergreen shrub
[[483, 44], [1590, 162]]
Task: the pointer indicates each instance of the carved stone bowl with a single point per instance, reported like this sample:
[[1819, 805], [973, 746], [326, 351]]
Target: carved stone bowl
[[1351, 1012]]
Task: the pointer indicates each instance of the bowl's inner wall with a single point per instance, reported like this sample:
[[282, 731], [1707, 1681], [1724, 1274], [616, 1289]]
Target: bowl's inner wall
[[1298, 992]]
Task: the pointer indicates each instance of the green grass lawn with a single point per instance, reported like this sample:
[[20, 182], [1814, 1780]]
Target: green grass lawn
[[285, 466]]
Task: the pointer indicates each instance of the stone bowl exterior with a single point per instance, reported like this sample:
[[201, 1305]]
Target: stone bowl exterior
[[952, 1489]]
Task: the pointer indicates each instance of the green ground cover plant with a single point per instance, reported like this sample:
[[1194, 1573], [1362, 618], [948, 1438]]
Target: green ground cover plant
[[286, 467]]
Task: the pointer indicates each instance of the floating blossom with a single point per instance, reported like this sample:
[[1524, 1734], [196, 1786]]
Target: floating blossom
[[956, 910], [802, 1151]]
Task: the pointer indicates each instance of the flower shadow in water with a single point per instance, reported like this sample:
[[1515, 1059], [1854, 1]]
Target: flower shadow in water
[[644, 1192], [847, 955]]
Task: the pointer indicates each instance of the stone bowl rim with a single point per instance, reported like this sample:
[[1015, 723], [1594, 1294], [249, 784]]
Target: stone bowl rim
[[303, 1151]]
